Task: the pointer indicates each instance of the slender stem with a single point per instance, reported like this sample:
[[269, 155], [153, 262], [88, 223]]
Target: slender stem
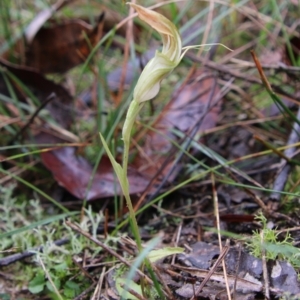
[[125, 158], [132, 113], [135, 227]]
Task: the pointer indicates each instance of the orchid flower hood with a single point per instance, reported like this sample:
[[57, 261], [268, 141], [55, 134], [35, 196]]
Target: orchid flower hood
[[163, 62]]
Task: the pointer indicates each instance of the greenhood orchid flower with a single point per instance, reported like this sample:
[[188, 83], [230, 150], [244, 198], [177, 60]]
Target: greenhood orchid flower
[[163, 62], [147, 88]]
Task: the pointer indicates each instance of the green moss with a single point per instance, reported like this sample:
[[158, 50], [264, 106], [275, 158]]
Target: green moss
[[57, 260]]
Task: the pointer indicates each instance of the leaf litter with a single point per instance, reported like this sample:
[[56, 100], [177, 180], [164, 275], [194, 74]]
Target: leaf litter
[[195, 109]]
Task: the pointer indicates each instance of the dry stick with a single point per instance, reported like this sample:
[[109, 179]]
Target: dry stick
[[276, 67], [240, 123], [106, 248], [49, 278], [179, 215], [97, 292], [264, 266], [282, 176], [230, 56], [288, 229], [216, 264], [178, 234], [217, 215]]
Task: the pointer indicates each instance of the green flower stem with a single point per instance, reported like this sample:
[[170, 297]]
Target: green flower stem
[[122, 177], [132, 218], [121, 172], [133, 111]]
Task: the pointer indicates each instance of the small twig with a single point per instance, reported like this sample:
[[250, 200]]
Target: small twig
[[178, 234], [217, 215], [265, 269], [211, 271], [277, 67], [49, 278], [106, 248], [288, 230], [97, 291]]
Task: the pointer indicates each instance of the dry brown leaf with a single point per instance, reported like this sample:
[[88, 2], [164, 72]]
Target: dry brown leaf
[[60, 47]]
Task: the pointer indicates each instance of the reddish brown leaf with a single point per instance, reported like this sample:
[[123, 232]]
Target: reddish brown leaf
[[74, 174], [60, 47]]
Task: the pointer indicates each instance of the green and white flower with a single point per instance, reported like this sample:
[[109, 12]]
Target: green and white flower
[[163, 62]]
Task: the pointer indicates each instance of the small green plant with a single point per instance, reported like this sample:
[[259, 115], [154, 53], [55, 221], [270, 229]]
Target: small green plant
[[146, 88], [267, 240]]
